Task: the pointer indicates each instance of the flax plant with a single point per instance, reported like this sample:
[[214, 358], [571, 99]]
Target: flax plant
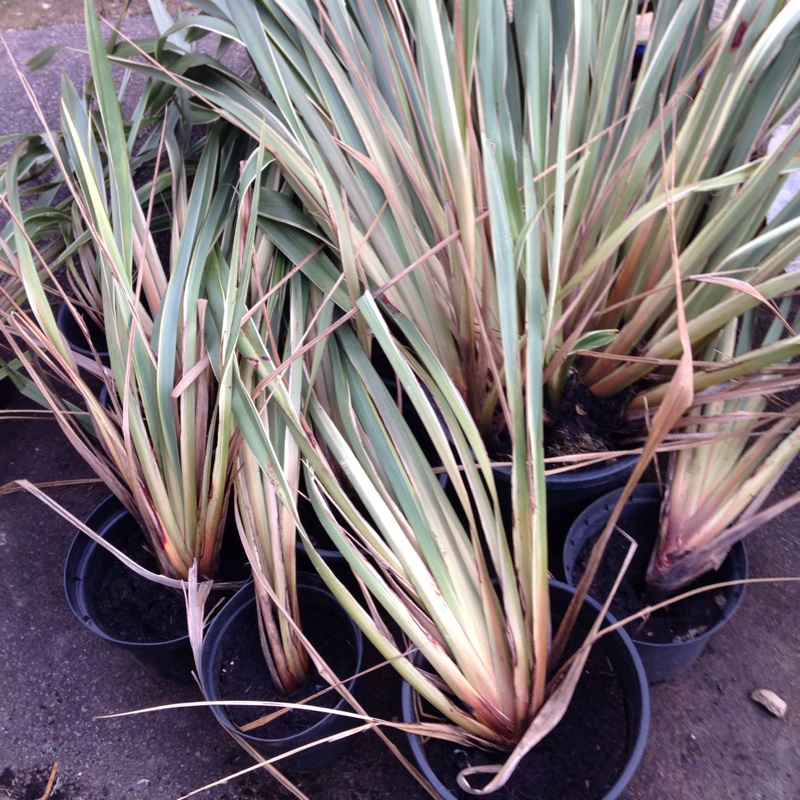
[[727, 88], [384, 156], [278, 315], [46, 218], [377, 115], [164, 444], [468, 592], [274, 330], [733, 454]]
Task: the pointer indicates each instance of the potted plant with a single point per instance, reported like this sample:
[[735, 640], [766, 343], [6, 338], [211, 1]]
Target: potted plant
[[427, 562], [725, 461], [639, 195], [387, 159], [164, 444], [419, 555], [367, 149], [284, 635]]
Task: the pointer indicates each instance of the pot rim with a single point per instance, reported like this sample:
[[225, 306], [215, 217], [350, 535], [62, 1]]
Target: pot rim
[[646, 494], [81, 551], [239, 604], [65, 321]]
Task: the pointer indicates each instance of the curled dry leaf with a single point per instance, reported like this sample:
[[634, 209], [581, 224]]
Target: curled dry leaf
[[774, 704]]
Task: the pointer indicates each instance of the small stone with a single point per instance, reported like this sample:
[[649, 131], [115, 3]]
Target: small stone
[[774, 704]]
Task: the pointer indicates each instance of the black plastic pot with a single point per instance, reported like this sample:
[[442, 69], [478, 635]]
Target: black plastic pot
[[8, 392], [621, 658], [662, 661], [72, 332], [238, 621], [87, 562], [568, 493]]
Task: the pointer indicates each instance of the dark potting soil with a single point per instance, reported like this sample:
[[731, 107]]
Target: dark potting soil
[[584, 422], [677, 622], [130, 607], [580, 759], [244, 675]]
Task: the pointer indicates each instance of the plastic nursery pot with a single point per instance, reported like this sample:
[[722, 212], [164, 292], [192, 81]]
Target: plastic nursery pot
[[72, 332], [578, 739], [568, 493], [662, 660], [100, 589], [8, 391], [232, 657]]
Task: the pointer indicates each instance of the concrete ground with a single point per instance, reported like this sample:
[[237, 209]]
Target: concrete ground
[[708, 739]]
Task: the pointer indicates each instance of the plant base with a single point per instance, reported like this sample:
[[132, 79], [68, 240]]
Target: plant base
[[592, 753]]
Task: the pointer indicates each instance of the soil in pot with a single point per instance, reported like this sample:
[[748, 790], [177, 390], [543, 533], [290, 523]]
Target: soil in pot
[[243, 674], [233, 668], [139, 616], [558, 767], [142, 618], [678, 622], [131, 608], [581, 423], [584, 422]]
